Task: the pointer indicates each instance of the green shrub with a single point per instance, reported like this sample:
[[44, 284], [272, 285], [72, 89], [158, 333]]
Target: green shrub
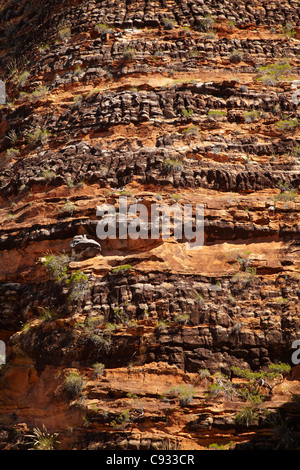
[[11, 153], [295, 152], [103, 28], [168, 23], [64, 33], [288, 30], [47, 314], [48, 175], [187, 112], [12, 136], [287, 124], [172, 165], [203, 373], [73, 384], [236, 56], [39, 93], [222, 386], [122, 420], [216, 113], [273, 372], [162, 325], [22, 78], [216, 446], [289, 195], [279, 369], [122, 269], [57, 265], [68, 208], [98, 369], [231, 24], [206, 23], [185, 394], [129, 54], [273, 73], [43, 440], [182, 318], [192, 131], [78, 285], [251, 116], [247, 416], [77, 102], [38, 135], [103, 342]]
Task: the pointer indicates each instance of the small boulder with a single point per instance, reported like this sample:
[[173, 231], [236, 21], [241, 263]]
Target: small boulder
[[83, 247]]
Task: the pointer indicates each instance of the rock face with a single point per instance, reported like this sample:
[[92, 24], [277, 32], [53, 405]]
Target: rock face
[[139, 343]]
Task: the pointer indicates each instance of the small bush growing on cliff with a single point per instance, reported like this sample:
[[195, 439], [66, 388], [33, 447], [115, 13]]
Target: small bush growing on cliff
[[121, 269], [122, 420], [77, 102], [68, 208], [288, 30], [185, 394], [236, 56], [73, 384], [287, 124], [48, 175], [103, 342], [12, 136], [39, 93], [206, 23], [192, 131], [168, 23], [203, 373], [98, 369], [261, 380], [162, 325], [22, 78], [216, 114], [182, 318], [11, 153], [187, 112], [295, 153], [171, 165], [103, 28], [251, 116], [64, 33], [78, 285], [215, 446], [47, 314], [129, 54], [221, 386], [287, 193], [273, 73], [57, 265], [38, 135], [247, 416], [43, 440]]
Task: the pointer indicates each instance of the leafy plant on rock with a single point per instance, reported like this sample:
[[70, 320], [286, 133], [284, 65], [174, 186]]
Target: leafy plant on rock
[[73, 384], [78, 285], [43, 440], [57, 265], [271, 74]]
